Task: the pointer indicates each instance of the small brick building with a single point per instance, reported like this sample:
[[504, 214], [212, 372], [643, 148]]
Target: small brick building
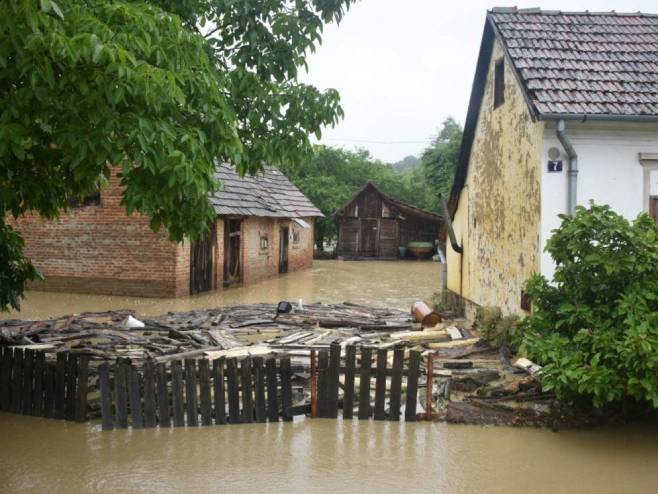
[[264, 226]]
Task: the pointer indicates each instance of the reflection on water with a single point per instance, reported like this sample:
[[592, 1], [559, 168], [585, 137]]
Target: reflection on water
[[379, 283], [319, 455]]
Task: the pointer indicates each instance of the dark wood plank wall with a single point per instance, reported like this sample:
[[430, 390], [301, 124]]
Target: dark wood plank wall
[[369, 213]]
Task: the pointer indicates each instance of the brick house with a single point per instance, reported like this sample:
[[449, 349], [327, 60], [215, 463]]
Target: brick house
[[264, 226]]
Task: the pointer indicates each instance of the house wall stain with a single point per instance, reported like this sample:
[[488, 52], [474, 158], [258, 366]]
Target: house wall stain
[[498, 217]]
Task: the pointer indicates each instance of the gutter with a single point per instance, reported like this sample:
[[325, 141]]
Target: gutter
[[451, 233], [598, 117], [572, 177]]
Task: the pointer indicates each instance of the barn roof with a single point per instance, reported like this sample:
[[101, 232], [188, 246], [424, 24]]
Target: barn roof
[[402, 206], [267, 194]]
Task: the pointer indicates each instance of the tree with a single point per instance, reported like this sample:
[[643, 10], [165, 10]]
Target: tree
[[595, 327], [439, 161], [161, 89]]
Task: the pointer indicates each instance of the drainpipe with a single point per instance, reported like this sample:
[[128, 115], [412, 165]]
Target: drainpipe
[[451, 233], [572, 169]]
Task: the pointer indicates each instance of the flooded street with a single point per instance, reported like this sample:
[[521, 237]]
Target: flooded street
[[325, 456], [378, 283], [321, 455]]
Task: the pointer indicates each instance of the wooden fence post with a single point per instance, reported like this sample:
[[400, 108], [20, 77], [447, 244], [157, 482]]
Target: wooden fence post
[[247, 391], [5, 378], [364, 383], [60, 385], [218, 384], [333, 378], [177, 393], [28, 382], [429, 399], [348, 393], [396, 384], [191, 393], [286, 389], [134, 398], [37, 397], [48, 390], [121, 393], [259, 386], [71, 381], [204, 392], [380, 385], [272, 392], [106, 396], [314, 385], [412, 386], [233, 391], [150, 419], [164, 410], [80, 409]]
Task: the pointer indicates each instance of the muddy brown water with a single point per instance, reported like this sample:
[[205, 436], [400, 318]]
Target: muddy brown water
[[321, 455], [380, 283]]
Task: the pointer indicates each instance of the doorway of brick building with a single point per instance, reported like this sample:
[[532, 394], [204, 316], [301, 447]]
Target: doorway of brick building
[[232, 251], [201, 262], [283, 250]]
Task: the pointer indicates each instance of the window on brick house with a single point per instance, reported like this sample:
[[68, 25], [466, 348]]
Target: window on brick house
[[264, 242], [499, 83], [93, 199], [296, 237]]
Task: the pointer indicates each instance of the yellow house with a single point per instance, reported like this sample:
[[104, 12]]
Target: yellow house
[[563, 109]]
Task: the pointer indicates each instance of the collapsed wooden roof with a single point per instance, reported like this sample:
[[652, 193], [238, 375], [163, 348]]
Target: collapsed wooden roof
[[402, 206], [267, 194]]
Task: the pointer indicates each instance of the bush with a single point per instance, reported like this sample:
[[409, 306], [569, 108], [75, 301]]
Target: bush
[[595, 327]]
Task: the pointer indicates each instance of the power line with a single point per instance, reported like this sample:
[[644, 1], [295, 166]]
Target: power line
[[366, 141]]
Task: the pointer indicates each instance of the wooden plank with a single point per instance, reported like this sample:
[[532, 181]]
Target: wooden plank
[[71, 381], [6, 357], [233, 391], [135, 398], [106, 396], [219, 391], [259, 389], [17, 381], [348, 389], [60, 385], [286, 388], [204, 392], [164, 410], [272, 394], [191, 401], [49, 390], [396, 384], [121, 393], [364, 383], [247, 391], [412, 386], [333, 376], [323, 391], [80, 409], [149, 394], [37, 395], [380, 385], [177, 393], [28, 382]]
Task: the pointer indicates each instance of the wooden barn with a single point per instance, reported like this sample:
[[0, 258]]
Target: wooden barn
[[373, 224]]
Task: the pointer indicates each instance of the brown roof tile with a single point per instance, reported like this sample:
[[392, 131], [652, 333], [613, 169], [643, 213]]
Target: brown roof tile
[[581, 62]]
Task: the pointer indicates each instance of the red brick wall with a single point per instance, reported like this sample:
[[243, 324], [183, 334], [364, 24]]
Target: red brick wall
[[100, 249]]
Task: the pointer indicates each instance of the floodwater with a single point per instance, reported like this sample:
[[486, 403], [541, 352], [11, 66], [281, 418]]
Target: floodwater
[[378, 283], [325, 456], [321, 455]]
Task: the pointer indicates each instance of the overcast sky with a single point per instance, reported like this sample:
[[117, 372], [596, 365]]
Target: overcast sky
[[403, 66]]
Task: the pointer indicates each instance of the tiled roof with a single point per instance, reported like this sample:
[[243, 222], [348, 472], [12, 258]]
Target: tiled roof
[[583, 63], [268, 194]]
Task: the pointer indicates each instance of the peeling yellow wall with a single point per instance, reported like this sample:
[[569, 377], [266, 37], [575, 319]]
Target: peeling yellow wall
[[498, 217]]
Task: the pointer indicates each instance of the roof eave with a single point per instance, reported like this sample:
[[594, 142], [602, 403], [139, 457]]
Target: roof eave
[[597, 117]]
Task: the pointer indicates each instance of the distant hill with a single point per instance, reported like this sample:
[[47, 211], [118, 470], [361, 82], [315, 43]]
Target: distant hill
[[406, 163]]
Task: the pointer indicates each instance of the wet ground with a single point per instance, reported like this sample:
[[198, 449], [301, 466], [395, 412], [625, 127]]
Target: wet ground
[[325, 455], [378, 283]]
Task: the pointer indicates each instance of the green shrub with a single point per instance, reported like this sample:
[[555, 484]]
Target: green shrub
[[595, 327]]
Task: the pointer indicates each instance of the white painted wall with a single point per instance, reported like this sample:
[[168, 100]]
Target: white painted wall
[[610, 172]]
